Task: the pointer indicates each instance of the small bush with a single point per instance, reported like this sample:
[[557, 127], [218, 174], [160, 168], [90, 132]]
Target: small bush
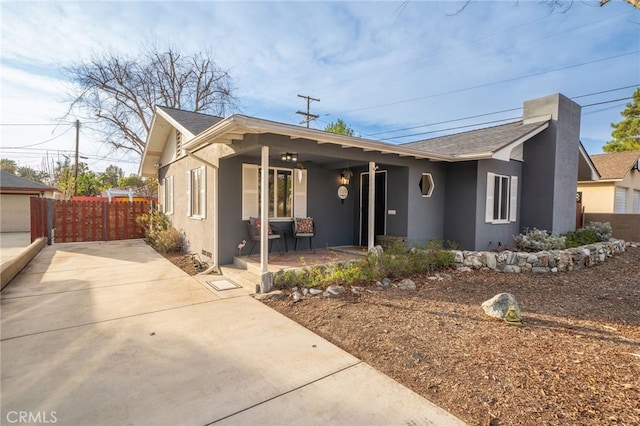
[[601, 230], [438, 257], [537, 240], [580, 237], [159, 233], [166, 241]]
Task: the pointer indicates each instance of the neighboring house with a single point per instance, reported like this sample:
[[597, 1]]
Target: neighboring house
[[477, 189], [618, 190], [15, 207]]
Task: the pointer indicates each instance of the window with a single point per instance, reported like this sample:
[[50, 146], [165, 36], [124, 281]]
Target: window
[[167, 195], [636, 201], [502, 198], [620, 203], [426, 185], [287, 192], [196, 193]]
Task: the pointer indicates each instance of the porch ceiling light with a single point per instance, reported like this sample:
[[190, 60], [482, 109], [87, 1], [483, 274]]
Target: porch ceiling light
[[289, 157]]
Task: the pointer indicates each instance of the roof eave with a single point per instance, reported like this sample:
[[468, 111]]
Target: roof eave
[[240, 124]]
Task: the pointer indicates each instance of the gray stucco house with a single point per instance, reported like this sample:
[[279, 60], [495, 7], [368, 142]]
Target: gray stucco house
[[477, 188]]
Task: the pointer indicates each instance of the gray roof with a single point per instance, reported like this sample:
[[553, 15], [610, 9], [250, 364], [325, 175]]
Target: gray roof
[[490, 139], [11, 181], [195, 122]]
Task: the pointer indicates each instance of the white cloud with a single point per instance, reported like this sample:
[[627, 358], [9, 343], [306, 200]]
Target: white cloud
[[351, 55]]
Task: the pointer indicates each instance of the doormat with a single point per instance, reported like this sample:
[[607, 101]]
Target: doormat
[[223, 285]]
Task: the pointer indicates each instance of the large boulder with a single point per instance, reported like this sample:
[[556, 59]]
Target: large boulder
[[498, 305]]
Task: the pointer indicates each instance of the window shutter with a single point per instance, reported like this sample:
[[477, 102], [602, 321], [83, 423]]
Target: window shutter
[[250, 195], [491, 187], [203, 193], [513, 199], [188, 193], [300, 193], [169, 200]]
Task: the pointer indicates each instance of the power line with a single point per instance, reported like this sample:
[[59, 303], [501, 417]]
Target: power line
[[30, 124], [487, 84], [43, 142], [309, 117], [451, 128], [502, 111]]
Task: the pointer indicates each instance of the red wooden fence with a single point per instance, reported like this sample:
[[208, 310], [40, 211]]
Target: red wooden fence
[[97, 221], [39, 227]]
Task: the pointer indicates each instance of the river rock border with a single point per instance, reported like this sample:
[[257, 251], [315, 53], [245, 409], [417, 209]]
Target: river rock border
[[543, 261]]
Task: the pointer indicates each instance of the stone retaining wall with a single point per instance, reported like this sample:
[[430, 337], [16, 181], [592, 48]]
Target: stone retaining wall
[[543, 261]]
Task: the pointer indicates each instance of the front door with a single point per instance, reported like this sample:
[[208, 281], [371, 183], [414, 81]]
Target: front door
[[380, 205]]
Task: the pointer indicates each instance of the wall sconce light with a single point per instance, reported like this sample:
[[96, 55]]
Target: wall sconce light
[[289, 157], [345, 176]]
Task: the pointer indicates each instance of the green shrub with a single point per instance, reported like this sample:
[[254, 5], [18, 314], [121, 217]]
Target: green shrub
[[438, 257], [537, 240], [601, 230], [580, 237]]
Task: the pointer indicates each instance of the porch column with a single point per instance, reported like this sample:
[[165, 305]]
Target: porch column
[[266, 280], [216, 220], [372, 206]]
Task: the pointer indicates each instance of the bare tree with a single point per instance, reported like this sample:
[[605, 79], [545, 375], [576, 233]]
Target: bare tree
[[119, 92], [556, 5]]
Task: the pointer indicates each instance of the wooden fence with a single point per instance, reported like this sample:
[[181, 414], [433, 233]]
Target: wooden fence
[[76, 221]]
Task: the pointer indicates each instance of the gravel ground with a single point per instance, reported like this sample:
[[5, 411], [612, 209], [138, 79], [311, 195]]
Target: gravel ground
[[575, 360]]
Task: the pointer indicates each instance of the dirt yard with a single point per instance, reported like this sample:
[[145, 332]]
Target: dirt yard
[[575, 360]]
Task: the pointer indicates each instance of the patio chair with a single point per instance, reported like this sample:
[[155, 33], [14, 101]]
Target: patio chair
[[304, 227], [253, 226]]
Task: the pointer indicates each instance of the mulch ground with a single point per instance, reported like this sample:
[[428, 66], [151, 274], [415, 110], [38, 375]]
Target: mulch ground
[[575, 360]]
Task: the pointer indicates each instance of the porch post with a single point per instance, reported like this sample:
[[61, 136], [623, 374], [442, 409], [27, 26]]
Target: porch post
[[372, 206], [266, 280], [216, 221]]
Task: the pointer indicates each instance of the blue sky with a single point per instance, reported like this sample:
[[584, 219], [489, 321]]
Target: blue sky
[[389, 69]]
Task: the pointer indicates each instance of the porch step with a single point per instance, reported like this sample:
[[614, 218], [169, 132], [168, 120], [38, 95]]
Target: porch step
[[247, 279]]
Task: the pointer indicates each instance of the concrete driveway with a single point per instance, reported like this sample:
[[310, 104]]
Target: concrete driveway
[[113, 333]]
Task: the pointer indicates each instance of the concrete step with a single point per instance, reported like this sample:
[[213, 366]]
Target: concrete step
[[245, 278]]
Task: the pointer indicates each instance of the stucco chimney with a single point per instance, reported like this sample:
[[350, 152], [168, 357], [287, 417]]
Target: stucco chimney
[[550, 168]]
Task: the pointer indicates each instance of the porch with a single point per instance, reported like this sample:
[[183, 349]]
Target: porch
[[246, 271]]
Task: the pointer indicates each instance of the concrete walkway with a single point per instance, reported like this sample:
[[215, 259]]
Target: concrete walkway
[[12, 243], [112, 333]]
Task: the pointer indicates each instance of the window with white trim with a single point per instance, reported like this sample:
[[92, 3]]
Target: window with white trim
[[502, 198], [287, 192], [636, 201], [167, 195], [196, 193]]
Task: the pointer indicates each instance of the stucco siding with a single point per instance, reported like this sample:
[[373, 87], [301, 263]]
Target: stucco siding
[[198, 233], [597, 197], [491, 236], [15, 215], [550, 168], [425, 216], [460, 204]]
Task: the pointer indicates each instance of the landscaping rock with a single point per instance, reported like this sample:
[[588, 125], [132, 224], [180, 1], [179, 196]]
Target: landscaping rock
[[334, 290], [514, 269], [273, 295], [461, 269], [406, 284], [386, 282], [498, 305], [296, 296], [314, 291]]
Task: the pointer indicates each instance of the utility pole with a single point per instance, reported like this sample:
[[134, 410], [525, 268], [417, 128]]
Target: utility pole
[[310, 117], [75, 172]]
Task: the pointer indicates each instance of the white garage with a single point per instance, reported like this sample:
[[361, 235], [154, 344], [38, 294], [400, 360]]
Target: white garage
[[15, 208]]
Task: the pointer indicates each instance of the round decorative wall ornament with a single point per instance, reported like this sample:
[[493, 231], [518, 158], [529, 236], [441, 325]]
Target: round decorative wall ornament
[[343, 192]]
